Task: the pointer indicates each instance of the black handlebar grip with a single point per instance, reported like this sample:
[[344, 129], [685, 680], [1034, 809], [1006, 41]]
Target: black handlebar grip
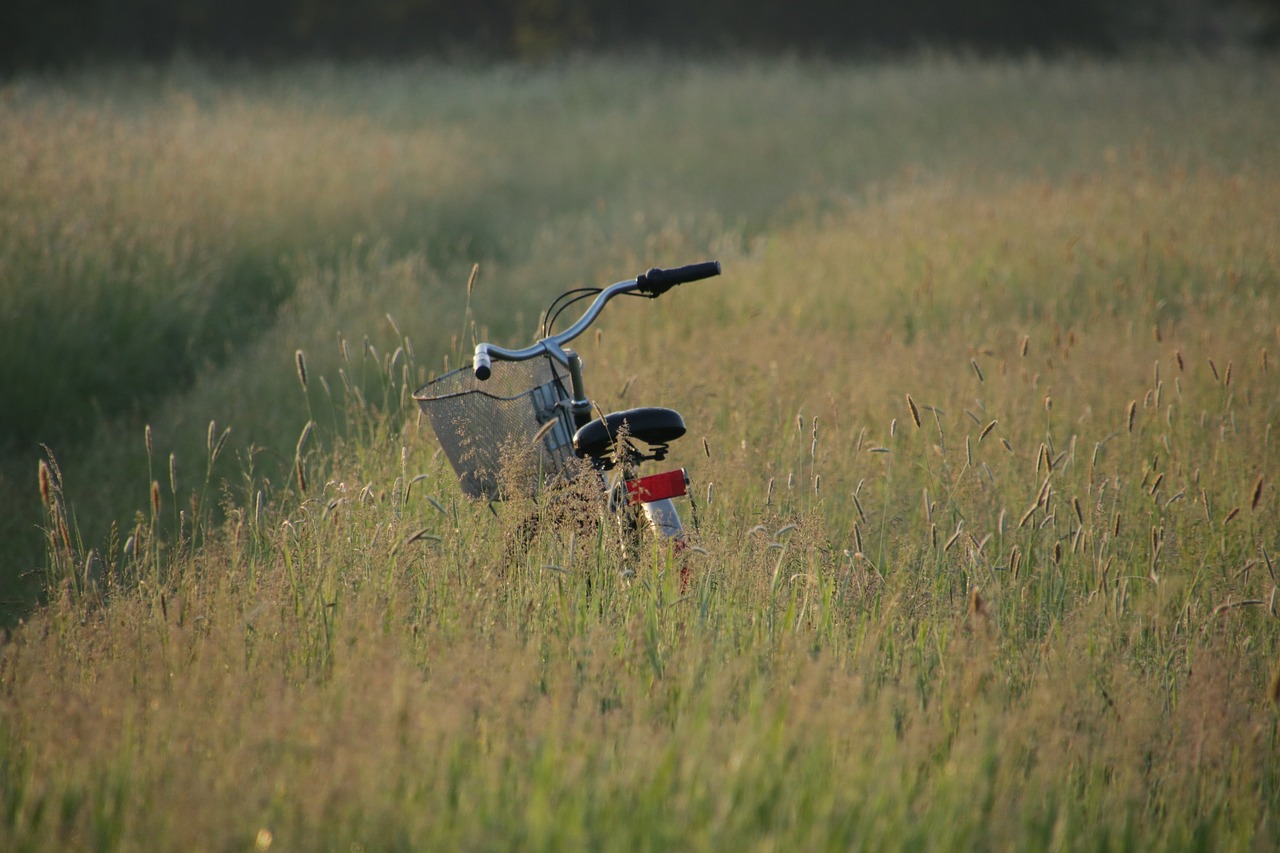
[[482, 365], [657, 281]]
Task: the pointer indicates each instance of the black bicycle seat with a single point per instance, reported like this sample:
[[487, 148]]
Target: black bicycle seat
[[652, 425]]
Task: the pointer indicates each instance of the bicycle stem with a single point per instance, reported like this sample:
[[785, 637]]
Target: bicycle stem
[[579, 405]]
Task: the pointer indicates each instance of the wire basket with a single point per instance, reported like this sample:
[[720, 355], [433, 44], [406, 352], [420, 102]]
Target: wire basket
[[509, 434]]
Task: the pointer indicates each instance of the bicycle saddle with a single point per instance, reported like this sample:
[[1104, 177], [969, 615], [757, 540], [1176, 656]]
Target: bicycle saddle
[[652, 425]]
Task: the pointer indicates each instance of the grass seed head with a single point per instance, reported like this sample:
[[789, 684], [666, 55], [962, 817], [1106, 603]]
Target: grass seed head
[[46, 484], [915, 413]]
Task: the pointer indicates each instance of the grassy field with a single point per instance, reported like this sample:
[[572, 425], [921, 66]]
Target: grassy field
[[981, 431]]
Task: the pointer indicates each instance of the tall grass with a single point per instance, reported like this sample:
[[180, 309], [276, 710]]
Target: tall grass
[[983, 458]]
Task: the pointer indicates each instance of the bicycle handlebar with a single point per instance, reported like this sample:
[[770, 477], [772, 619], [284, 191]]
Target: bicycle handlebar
[[652, 284], [656, 282], [482, 364]]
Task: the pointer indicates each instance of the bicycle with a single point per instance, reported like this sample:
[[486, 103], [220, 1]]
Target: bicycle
[[519, 421]]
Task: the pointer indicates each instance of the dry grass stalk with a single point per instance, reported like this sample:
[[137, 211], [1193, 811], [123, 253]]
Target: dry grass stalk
[[297, 456], [954, 537], [543, 430], [1041, 497], [302, 438], [977, 605], [1232, 605]]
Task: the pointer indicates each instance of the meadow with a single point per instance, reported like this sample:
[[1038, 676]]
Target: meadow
[[981, 412]]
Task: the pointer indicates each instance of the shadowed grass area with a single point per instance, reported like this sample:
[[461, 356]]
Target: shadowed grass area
[[983, 453]]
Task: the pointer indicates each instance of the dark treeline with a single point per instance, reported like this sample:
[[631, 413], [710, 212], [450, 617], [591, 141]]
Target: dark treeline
[[38, 34]]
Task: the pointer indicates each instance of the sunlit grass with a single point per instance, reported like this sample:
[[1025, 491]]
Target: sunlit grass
[[983, 454]]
